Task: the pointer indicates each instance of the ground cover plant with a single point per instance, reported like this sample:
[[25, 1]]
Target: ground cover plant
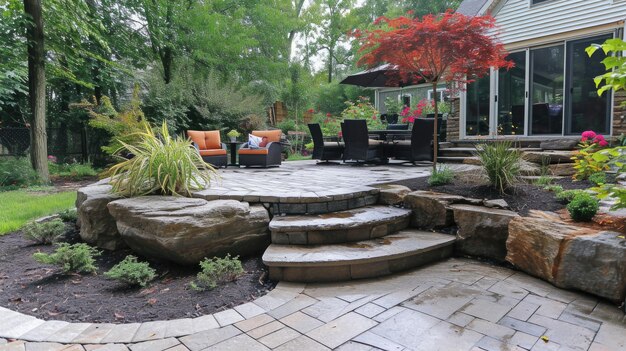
[[46, 232], [441, 175], [132, 272], [74, 171], [21, 206], [17, 172], [217, 270]]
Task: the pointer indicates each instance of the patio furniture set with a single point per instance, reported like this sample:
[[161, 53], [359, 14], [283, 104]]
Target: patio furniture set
[[359, 145]]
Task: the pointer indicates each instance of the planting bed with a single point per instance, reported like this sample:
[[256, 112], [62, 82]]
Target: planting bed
[[521, 198], [32, 288]]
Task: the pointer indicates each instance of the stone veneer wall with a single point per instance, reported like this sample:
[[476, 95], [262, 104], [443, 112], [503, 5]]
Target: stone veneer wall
[[619, 114], [453, 122]]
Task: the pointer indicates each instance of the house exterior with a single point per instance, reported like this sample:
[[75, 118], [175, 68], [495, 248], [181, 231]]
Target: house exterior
[[550, 93]]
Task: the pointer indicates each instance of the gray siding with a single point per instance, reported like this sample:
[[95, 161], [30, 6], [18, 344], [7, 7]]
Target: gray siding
[[518, 21]]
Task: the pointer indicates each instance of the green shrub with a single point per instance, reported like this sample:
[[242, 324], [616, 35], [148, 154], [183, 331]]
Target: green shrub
[[72, 170], [69, 215], [501, 162], [161, 164], [44, 232], [543, 180], [131, 272], [583, 207], [568, 195], [598, 178], [441, 176], [217, 270], [16, 173], [557, 189], [75, 258]]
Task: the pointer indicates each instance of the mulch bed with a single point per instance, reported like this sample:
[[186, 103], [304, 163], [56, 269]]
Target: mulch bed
[[38, 290], [521, 198]]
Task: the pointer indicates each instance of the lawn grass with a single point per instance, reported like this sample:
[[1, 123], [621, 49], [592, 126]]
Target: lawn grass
[[20, 206], [297, 157]]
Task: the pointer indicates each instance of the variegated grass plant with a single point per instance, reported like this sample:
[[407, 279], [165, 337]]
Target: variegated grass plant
[[161, 164], [502, 163]]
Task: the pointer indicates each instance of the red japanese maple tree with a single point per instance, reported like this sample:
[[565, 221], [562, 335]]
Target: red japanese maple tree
[[449, 47]]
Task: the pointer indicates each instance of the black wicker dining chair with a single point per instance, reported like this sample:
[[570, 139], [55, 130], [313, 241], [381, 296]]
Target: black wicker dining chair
[[324, 150], [420, 147], [358, 146]]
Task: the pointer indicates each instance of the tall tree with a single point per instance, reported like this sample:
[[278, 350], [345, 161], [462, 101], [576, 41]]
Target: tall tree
[[451, 48], [37, 88]]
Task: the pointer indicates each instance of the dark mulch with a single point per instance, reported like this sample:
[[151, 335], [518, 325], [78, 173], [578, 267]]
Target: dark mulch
[[521, 198], [38, 290]]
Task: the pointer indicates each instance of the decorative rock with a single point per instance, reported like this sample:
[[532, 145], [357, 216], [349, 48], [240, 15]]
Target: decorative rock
[[549, 157], [569, 256], [97, 226], [562, 169], [392, 194], [559, 144], [595, 264], [497, 203], [186, 230], [529, 169], [431, 209], [482, 231]]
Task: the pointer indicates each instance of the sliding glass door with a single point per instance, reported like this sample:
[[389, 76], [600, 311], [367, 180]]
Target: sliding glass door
[[512, 96], [477, 107], [547, 81], [585, 110]]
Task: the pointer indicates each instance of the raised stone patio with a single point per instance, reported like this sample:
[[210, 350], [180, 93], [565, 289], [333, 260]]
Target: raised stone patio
[[457, 304]]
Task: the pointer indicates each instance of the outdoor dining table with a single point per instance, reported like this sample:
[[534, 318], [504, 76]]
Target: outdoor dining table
[[390, 135]]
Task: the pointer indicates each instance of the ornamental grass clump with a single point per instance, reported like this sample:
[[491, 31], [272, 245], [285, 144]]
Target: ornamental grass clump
[[501, 162], [217, 270], [161, 164], [77, 258], [131, 272], [442, 175], [44, 233], [583, 207]]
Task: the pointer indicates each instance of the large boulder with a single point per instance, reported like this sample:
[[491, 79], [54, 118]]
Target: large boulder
[[392, 194], [97, 226], [186, 230], [431, 209], [549, 157], [559, 144], [562, 169], [482, 231], [569, 256]]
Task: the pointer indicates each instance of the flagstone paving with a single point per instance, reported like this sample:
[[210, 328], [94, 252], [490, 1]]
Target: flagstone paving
[[457, 304]]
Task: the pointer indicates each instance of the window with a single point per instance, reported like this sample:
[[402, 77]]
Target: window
[[406, 100], [440, 95], [535, 2]]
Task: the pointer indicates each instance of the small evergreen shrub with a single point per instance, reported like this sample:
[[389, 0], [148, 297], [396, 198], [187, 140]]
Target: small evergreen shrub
[[441, 176], [501, 162], [131, 272], [598, 178], [44, 232], [69, 215], [217, 270], [568, 195], [75, 171], [583, 207], [75, 258], [557, 189]]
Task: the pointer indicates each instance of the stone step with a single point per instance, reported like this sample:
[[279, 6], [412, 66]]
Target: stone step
[[339, 227], [365, 259], [470, 160], [469, 151]]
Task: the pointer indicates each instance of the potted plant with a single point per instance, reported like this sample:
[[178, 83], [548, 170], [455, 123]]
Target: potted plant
[[233, 135]]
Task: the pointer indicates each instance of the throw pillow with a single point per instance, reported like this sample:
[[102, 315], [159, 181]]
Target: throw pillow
[[254, 141], [264, 142]]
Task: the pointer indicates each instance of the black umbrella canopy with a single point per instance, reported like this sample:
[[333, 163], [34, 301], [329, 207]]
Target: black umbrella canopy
[[377, 77]]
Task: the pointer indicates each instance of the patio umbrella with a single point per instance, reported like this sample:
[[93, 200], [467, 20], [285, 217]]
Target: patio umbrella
[[377, 77]]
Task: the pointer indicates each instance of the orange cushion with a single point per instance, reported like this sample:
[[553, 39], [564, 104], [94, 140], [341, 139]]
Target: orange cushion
[[253, 151], [213, 152], [273, 136], [206, 140]]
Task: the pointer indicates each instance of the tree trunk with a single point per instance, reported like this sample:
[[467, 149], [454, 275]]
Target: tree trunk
[[37, 88], [330, 65], [436, 130]]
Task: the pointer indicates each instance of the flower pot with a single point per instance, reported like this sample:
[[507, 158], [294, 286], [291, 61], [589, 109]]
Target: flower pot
[[233, 139]]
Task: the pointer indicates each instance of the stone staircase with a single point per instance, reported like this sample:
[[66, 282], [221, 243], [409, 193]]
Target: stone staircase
[[463, 151], [364, 242]]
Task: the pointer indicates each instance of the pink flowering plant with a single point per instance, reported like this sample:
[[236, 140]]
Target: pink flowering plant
[[587, 160], [422, 109]]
